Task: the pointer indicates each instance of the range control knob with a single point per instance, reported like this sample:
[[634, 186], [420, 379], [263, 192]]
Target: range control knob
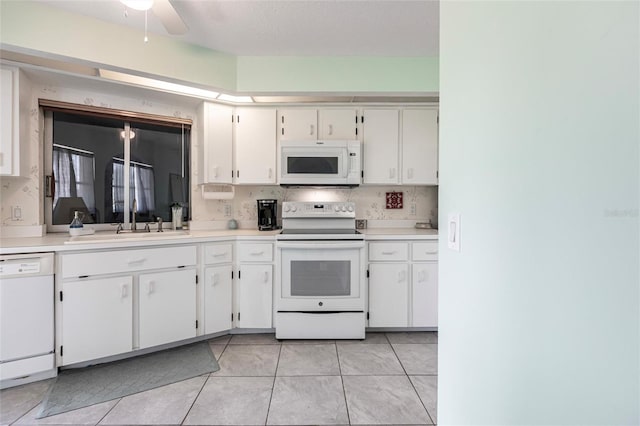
[[343, 208], [337, 208], [294, 208], [350, 208], [287, 208]]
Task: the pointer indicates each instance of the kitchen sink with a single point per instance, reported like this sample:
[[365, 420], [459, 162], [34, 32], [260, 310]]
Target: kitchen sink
[[126, 236]]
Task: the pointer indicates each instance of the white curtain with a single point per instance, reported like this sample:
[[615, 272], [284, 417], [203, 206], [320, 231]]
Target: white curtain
[[74, 175], [141, 181]]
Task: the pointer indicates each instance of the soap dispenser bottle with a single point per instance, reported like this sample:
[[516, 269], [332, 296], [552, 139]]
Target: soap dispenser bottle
[[76, 225]]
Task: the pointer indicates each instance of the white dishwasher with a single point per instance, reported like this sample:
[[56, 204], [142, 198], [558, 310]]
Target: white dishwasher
[[26, 318]]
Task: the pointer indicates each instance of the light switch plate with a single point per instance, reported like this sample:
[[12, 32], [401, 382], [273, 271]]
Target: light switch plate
[[453, 230]]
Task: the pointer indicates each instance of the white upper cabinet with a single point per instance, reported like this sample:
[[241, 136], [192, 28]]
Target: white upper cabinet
[[298, 124], [255, 146], [380, 146], [313, 124], [338, 123], [420, 146], [215, 143], [14, 118]]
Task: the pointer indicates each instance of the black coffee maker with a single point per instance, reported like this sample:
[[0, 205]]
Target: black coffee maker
[[267, 215]]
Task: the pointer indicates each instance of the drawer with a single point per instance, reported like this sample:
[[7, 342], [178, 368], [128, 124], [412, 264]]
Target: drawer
[[255, 252], [388, 251], [427, 250], [218, 253], [113, 262]]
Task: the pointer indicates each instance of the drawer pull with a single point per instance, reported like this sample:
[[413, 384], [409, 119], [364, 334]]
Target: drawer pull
[[139, 260], [431, 252], [257, 253], [388, 253], [220, 254]]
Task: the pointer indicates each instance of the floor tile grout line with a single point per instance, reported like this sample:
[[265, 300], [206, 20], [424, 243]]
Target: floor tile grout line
[[273, 385], [196, 398], [29, 410], [109, 410], [421, 401], [344, 391]]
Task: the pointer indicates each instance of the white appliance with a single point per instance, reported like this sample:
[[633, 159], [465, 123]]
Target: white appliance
[[320, 281], [320, 163], [26, 318]]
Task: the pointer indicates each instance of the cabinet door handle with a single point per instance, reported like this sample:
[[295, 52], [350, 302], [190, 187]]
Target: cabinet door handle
[[330, 129], [270, 173], [422, 276], [123, 290], [215, 172], [215, 279], [389, 253], [392, 173], [410, 173], [150, 287], [402, 275], [266, 276], [138, 260], [311, 130]]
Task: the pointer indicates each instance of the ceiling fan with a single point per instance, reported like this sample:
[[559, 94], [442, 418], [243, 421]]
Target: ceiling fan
[[164, 10]]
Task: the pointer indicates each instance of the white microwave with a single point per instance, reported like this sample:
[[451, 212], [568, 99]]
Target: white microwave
[[320, 163]]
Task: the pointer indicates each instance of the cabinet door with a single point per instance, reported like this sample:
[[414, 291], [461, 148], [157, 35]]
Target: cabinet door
[[388, 295], [215, 143], [298, 124], [167, 303], [97, 318], [338, 124], [420, 146], [424, 304], [8, 98], [255, 307], [380, 146], [255, 146], [217, 298]]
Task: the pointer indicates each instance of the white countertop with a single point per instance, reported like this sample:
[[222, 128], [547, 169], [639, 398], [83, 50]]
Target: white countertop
[[61, 242]]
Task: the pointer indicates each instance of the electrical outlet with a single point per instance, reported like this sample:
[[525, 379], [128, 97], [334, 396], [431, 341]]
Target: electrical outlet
[[16, 213], [227, 210], [412, 209]]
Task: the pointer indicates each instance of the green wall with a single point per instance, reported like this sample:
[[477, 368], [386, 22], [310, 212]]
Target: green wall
[[46, 31]]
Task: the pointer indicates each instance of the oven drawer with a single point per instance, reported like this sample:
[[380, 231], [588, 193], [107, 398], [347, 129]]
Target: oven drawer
[[255, 252], [388, 251], [427, 250]]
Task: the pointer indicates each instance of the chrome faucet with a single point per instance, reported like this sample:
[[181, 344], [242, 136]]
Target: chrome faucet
[[133, 215]]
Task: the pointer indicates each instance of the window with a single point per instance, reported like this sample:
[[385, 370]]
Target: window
[[90, 156]]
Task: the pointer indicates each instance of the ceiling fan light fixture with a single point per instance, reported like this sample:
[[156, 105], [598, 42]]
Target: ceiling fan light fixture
[[138, 4]]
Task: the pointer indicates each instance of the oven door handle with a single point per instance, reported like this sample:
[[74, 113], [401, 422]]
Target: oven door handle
[[337, 245]]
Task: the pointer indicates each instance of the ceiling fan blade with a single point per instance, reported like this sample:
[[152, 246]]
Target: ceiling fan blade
[[172, 22]]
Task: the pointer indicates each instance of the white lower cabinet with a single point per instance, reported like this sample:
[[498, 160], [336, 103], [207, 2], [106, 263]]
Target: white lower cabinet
[[218, 297], [97, 319], [424, 294], [388, 295], [167, 306], [255, 296], [137, 304], [254, 285], [403, 284]]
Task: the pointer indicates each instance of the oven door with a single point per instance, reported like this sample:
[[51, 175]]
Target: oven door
[[321, 276]]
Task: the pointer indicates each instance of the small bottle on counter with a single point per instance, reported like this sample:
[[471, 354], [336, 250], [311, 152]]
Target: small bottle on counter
[[76, 226]]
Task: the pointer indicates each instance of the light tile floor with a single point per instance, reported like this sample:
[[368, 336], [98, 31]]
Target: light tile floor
[[388, 378]]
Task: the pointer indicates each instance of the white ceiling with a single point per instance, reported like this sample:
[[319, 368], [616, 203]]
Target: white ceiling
[[290, 27]]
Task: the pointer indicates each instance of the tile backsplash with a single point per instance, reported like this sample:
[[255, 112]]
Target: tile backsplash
[[370, 202]]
